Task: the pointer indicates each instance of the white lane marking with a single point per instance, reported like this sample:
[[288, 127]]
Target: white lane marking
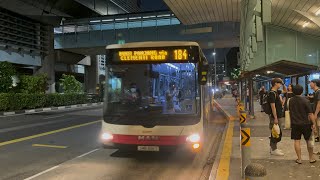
[[43, 172], [87, 153], [50, 169], [50, 117]]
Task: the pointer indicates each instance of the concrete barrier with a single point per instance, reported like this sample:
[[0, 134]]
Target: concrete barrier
[[255, 171]]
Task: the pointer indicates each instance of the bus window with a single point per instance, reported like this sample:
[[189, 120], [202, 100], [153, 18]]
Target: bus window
[[139, 91]]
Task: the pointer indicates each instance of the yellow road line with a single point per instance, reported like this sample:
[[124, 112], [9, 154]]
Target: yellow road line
[[224, 164], [50, 146], [46, 133]]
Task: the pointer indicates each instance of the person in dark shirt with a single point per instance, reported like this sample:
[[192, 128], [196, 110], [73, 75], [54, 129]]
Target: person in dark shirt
[[287, 95], [262, 92], [276, 107], [315, 84], [301, 114]]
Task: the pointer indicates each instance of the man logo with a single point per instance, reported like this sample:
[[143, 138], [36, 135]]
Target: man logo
[[148, 138]]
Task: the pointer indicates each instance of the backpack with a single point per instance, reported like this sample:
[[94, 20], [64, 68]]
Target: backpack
[[265, 103]]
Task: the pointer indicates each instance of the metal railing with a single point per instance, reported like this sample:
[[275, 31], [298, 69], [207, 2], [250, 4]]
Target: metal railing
[[114, 22]]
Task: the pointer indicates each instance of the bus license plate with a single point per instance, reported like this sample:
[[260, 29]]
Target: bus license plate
[[148, 148]]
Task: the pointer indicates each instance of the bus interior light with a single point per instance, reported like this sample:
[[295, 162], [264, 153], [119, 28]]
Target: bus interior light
[[173, 66], [193, 138]]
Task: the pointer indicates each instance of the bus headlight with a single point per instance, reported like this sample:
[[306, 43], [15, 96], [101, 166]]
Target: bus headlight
[[193, 138], [106, 136]]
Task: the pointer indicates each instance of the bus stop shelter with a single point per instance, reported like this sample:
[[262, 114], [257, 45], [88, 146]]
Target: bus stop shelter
[[280, 69]]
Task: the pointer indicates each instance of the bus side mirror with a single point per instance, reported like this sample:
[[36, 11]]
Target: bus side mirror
[[203, 74]]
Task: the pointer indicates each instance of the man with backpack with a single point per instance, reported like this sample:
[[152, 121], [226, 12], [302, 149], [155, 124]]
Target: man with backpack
[[274, 110]]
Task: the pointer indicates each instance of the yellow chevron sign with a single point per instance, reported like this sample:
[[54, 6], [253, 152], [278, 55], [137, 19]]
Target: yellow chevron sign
[[245, 137], [243, 118]]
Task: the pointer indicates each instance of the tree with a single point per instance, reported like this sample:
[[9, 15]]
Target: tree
[[7, 71], [70, 84]]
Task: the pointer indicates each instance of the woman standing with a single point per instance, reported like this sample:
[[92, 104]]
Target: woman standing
[[287, 95], [262, 92]]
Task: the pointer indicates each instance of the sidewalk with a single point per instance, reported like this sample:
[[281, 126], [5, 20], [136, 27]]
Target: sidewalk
[[278, 167]]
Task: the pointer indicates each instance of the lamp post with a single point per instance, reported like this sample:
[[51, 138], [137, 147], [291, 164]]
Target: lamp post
[[215, 68]]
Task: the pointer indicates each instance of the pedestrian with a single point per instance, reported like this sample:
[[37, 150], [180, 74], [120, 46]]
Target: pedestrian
[[262, 92], [276, 114], [315, 85], [247, 98], [302, 122], [287, 95]]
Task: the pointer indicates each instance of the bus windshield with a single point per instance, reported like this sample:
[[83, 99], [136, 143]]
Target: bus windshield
[[157, 94]]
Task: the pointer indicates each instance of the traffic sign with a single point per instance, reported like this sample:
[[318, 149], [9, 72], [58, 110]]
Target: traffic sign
[[245, 137], [243, 118]]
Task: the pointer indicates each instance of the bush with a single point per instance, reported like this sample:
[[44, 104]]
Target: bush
[[33, 84], [70, 84], [7, 71], [18, 101], [65, 99]]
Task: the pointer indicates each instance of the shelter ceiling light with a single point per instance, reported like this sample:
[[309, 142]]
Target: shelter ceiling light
[[107, 20], [270, 72], [95, 21], [305, 24]]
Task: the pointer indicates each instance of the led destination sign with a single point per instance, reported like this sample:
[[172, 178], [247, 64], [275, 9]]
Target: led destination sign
[[153, 55], [145, 55]]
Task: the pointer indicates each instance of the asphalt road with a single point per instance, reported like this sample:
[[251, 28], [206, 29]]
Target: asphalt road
[[32, 148]]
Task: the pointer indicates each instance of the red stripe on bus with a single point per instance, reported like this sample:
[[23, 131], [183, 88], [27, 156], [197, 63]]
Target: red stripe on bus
[[162, 140]]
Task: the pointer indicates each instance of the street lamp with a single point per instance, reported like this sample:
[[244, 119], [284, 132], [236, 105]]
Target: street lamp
[[215, 68]]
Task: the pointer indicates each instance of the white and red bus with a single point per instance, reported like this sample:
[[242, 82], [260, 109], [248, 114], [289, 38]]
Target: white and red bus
[[156, 97]]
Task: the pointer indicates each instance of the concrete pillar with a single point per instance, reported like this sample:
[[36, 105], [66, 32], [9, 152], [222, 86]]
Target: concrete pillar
[[91, 75], [48, 62]]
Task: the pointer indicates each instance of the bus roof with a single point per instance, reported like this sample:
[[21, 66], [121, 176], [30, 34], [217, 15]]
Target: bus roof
[[152, 44]]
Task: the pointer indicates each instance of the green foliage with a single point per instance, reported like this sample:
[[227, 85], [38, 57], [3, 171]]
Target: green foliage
[[7, 70], [18, 101], [70, 84], [33, 84], [65, 99]]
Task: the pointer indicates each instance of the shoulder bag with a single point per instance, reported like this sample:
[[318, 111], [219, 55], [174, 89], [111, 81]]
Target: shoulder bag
[[287, 120]]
